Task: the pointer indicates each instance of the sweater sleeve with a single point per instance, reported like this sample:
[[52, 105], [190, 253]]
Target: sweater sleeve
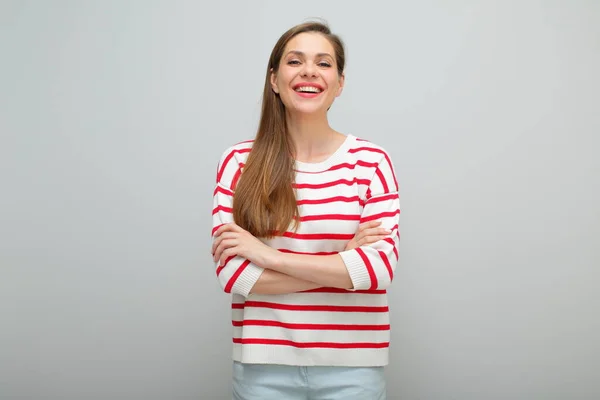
[[372, 266], [236, 275]]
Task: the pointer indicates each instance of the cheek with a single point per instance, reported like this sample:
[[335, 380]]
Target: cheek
[[333, 82], [334, 90], [284, 78]]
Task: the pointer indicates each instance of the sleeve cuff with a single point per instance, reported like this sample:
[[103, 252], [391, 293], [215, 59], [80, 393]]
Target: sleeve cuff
[[356, 269], [245, 282]]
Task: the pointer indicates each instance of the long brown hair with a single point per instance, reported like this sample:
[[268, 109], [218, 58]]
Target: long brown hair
[[264, 203]]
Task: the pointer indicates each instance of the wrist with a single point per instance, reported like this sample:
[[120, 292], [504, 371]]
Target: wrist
[[276, 260]]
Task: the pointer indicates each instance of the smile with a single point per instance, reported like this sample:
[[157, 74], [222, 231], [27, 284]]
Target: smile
[[308, 90]]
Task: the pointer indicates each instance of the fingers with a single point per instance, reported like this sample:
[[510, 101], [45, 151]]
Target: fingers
[[371, 239], [364, 226], [367, 225], [372, 232], [217, 241], [226, 254], [376, 231], [228, 227], [369, 233], [225, 245]]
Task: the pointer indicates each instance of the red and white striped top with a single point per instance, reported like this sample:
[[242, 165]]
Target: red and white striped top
[[325, 326]]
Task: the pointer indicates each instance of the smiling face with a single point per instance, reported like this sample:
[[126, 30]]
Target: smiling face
[[308, 80]]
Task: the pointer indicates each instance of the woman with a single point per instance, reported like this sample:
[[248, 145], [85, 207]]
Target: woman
[[309, 303]]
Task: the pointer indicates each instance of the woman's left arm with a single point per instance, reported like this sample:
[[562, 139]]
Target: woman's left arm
[[367, 267]]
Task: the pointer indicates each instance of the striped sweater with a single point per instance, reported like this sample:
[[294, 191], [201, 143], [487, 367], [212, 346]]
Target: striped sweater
[[325, 326]]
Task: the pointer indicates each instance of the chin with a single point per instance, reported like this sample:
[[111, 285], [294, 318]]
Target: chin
[[309, 110]]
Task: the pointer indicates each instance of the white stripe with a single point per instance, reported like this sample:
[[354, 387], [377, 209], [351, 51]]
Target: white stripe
[[316, 317], [336, 207], [330, 176], [319, 356], [328, 299], [304, 336], [308, 246]]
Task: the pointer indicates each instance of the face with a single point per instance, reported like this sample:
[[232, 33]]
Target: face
[[307, 80]]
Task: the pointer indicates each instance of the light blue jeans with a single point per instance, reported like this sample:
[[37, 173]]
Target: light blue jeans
[[284, 382]]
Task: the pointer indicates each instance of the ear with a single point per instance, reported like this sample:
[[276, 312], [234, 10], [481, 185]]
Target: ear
[[341, 81], [273, 79]]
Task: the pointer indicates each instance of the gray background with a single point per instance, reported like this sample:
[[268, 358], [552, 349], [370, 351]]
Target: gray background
[[113, 115]]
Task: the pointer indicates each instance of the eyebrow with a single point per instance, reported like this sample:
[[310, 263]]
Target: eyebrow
[[299, 53]]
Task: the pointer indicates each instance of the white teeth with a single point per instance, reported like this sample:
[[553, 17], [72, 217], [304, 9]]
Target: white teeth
[[308, 89]]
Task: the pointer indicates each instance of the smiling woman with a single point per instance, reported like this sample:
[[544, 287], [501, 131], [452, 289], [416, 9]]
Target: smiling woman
[[306, 234]]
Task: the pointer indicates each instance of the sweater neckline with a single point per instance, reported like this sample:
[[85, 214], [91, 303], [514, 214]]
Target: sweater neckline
[[324, 165]]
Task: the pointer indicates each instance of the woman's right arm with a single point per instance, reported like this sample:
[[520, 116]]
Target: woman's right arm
[[238, 275], [273, 282]]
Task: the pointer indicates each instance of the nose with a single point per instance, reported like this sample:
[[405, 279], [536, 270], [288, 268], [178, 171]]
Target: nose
[[309, 69]]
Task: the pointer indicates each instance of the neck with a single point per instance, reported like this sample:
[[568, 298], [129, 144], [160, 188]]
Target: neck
[[310, 134]]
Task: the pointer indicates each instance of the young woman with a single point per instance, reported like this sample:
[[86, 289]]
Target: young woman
[[315, 240]]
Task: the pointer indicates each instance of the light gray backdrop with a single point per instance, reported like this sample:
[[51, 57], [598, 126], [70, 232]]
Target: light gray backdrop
[[113, 115]]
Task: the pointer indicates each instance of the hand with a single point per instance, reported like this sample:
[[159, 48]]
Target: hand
[[367, 233], [231, 240]]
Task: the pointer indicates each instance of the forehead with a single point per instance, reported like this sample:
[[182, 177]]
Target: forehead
[[310, 43]]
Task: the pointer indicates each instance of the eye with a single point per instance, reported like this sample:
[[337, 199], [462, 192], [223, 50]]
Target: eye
[[293, 62], [324, 64]]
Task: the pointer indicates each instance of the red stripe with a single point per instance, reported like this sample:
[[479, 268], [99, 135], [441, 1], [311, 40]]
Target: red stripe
[[236, 178], [329, 200], [380, 215], [221, 189], [318, 253], [344, 291], [387, 158], [222, 208], [336, 217], [216, 228], [390, 241], [318, 236], [382, 179], [387, 264], [393, 243], [226, 161], [298, 307], [330, 327], [370, 149], [360, 163], [237, 273], [331, 184], [369, 266], [329, 345], [220, 268], [391, 196]]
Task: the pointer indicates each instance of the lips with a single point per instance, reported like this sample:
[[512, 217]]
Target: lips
[[308, 88]]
